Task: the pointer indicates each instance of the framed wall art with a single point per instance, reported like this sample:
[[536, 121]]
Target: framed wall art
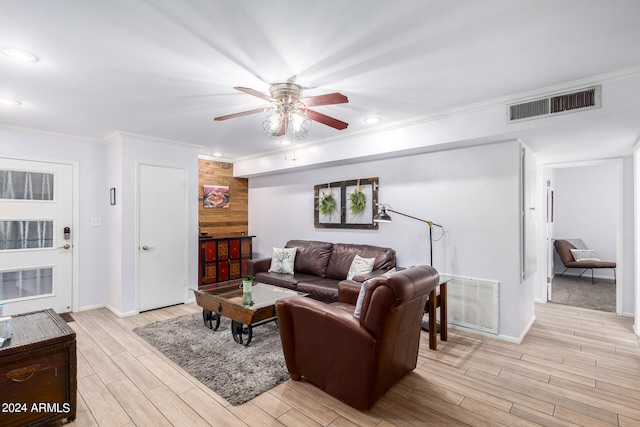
[[215, 196], [346, 204]]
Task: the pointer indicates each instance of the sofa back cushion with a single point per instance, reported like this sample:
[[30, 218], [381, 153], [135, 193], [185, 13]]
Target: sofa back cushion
[[312, 256], [343, 254]]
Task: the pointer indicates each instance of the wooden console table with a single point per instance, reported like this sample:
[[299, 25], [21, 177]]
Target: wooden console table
[[38, 371]]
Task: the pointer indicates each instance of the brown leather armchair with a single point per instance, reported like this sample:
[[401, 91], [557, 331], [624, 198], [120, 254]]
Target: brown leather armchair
[[354, 359]]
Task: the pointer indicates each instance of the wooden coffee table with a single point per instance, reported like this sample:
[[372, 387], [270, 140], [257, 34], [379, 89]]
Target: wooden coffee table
[[225, 299]]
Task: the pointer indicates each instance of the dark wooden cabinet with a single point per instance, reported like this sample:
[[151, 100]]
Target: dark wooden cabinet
[[38, 371], [223, 258]]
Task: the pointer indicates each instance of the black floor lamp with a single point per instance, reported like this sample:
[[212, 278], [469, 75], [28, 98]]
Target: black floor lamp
[[383, 216]]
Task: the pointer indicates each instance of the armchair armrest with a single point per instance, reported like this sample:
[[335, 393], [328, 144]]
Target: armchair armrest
[[258, 265], [361, 278]]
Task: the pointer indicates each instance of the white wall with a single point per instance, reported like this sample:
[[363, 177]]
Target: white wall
[[473, 192], [123, 232], [91, 286]]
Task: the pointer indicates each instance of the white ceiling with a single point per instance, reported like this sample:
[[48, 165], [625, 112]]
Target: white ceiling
[[165, 68]]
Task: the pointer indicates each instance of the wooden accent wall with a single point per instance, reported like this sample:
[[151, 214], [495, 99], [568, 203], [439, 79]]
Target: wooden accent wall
[[222, 222]]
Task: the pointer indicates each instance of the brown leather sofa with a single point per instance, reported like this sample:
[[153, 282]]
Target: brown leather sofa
[[354, 359], [320, 266]]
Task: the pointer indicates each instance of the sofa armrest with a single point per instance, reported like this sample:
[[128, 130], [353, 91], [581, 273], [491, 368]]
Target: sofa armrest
[[258, 265], [348, 291]]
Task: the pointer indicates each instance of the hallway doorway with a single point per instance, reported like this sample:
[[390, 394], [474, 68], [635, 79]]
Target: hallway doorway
[[585, 203]]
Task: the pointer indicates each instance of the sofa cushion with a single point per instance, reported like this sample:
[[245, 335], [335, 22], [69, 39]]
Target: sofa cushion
[[343, 254], [325, 290], [283, 280], [283, 260], [312, 257]]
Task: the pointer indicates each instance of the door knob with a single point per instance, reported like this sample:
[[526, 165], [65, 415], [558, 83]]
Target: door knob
[[66, 246], [145, 248]]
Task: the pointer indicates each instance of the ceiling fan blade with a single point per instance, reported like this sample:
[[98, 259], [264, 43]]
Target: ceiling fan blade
[[255, 93], [328, 99], [326, 120], [244, 113]]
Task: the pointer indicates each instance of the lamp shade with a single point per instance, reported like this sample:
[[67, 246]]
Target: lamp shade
[[382, 216]]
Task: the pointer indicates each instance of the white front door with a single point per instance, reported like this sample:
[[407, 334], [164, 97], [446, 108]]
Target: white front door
[[163, 237], [36, 236]]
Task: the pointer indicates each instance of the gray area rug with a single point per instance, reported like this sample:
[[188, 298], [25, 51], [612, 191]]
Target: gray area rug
[[233, 371], [570, 290]]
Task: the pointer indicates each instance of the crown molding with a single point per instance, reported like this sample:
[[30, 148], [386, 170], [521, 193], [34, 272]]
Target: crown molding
[[120, 134], [50, 133]]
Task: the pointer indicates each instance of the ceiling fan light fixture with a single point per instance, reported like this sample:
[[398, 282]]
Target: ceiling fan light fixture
[[300, 124], [273, 122]]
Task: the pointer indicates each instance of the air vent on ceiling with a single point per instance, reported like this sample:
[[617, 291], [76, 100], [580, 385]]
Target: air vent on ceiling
[[585, 99]]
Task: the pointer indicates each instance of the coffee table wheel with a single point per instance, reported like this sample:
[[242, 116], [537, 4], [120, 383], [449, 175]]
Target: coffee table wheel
[[238, 330], [209, 317]]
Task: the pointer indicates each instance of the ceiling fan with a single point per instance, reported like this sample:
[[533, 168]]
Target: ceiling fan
[[290, 109]]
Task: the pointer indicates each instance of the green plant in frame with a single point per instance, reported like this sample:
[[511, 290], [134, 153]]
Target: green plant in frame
[[358, 200], [326, 203]]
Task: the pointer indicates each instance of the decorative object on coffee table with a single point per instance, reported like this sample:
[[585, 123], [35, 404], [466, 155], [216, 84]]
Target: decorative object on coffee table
[[247, 282]]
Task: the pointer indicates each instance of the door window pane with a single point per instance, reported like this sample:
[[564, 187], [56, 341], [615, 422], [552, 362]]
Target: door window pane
[[26, 283], [23, 185], [26, 234]]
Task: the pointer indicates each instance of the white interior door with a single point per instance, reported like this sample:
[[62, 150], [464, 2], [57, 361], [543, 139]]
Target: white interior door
[[163, 237], [36, 254]]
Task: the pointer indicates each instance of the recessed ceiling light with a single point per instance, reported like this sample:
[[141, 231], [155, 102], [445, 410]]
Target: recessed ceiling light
[[372, 120], [217, 154], [285, 142], [20, 55], [9, 101]]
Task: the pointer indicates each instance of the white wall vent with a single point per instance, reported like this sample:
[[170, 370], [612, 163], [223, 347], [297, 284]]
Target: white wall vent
[[473, 303], [584, 99]]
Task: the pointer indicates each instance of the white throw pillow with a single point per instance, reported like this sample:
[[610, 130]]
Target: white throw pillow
[[360, 301], [584, 255], [360, 265], [282, 260]]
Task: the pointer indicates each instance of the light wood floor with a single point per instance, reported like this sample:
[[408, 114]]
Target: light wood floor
[[575, 367]]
